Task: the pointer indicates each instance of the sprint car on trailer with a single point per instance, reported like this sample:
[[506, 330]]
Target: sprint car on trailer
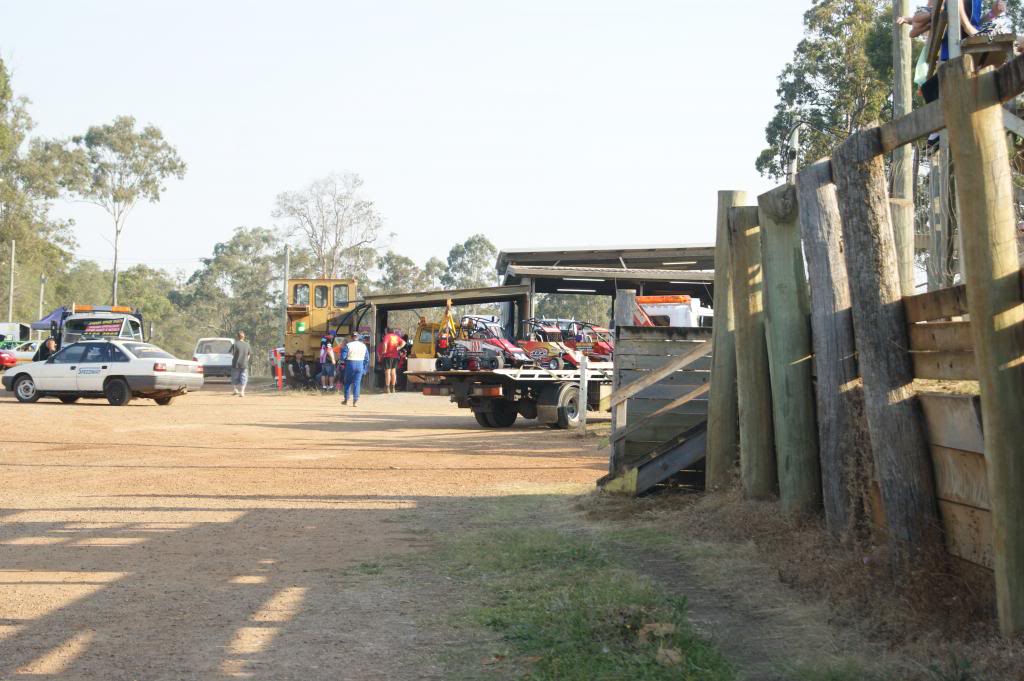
[[118, 370]]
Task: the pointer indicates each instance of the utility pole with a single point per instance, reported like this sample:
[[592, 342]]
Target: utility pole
[[10, 295], [42, 289], [953, 30], [284, 286], [902, 203], [794, 154]]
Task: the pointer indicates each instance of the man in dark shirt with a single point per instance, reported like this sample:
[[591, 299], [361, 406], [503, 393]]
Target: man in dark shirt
[[240, 352], [299, 376], [45, 350]]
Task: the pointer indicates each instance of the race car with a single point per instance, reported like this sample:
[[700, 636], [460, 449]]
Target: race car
[[481, 344], [545, 345], [115, 369]]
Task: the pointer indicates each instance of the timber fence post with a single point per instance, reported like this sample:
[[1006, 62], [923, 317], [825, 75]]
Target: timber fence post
[[842, 434], [625, 302], [902, 211], [786, 313], [723, 414], [992, 271], [894, 417], [757, 449]]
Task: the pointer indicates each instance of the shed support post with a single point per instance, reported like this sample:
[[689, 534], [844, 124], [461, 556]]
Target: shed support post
[[842, 433], [723, 415], [757, 450], [992, 270], [894, 417], [625, 301], [789, 351]]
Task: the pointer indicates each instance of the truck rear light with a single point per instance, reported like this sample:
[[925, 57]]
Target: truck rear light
[[195, 359], [487, 391], [436, 390], [159, 366], [198, 369]]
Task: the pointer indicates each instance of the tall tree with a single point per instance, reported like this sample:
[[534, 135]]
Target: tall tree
[[833, 84], [471, 264], [585, 308], [123, 166], [333, 220]]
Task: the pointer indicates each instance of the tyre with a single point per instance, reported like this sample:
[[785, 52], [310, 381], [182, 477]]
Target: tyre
[[163, 401], [117, 392], [25, 389], [504, 413], [568, 406], [443, 363], [69, 399], [556, 364], [498, 362], [481, 418]]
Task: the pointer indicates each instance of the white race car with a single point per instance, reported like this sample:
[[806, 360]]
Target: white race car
[[118, 370]]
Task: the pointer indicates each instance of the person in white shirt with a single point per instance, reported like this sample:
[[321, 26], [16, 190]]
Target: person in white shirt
[[357, 359]]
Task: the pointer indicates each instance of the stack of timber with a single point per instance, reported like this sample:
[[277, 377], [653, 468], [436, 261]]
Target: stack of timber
[[660, 406]]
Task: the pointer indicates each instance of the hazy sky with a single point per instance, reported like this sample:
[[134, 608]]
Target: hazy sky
[[536, 122]]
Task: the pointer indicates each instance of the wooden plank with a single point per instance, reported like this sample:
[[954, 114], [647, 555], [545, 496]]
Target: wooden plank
[[945, 366], [671, 461], [757, 445], [1013, 123], [673, 386], [625, 302], [991, 266], [901, 456], [953, 421], [940, 304], [969, 533], [842, 431], [787, 325], [667, 333], [656, 348], [961, 477], [941, 336], [667, 408], [1010, 79], [696, 405], [659, 368], [906, 129]]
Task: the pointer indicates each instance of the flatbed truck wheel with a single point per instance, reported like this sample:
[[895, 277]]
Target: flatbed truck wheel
[[504, 413], [568, 402], [481, 418]]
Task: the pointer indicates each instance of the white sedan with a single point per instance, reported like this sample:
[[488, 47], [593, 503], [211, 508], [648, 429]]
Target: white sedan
[[118, 370]]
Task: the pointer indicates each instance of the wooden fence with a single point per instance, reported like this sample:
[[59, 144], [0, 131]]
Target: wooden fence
[[822, 440]]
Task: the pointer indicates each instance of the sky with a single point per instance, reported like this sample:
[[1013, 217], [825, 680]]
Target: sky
[[539, 123]]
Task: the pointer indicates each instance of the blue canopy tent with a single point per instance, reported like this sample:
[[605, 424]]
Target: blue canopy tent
[[45, 324]]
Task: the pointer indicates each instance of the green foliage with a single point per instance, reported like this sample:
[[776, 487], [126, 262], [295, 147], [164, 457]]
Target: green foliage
[[117, 166], [835, 84], [566, 609], [471, 264], [586, 308]]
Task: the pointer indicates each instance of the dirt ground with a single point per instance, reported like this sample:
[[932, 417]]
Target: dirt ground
[[222, 537]]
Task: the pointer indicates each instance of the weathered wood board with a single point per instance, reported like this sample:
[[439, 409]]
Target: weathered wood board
[[940, 304], [941, 337], [953, 421], [945, 366], [968, 532]]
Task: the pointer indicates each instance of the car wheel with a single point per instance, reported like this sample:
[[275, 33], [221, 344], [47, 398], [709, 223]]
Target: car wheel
[[163, 401], [481, 418], [68, 399], [25, 389], [117, 392], [568, 407]]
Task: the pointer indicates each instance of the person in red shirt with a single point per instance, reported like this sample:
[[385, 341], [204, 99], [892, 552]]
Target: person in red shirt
[[389, 352]]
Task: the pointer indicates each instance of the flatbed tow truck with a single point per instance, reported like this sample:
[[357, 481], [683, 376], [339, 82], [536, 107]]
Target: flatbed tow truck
[[498, 397]]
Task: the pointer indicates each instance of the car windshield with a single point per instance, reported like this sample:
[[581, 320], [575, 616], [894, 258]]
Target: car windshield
[[147, 351], [215, 346], [98, 327]]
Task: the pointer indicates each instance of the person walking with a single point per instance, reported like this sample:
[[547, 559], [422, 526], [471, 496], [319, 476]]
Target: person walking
[[390, 353], [240, 356], [356, 356]]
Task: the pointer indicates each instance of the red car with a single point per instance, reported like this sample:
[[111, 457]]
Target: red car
[[7, 359]]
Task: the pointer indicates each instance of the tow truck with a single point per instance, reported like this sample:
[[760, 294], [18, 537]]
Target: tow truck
[[499, 396]]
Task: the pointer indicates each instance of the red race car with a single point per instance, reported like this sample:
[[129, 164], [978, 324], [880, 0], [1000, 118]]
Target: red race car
[[7, 359]]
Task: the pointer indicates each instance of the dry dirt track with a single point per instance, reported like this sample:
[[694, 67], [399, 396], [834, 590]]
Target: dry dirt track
[[225, 538]]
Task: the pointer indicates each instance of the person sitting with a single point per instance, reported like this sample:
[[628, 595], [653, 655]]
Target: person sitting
[[996, 21], [920, 22], [299, 375]]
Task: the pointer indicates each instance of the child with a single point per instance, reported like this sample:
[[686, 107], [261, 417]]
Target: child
[[920, 22], [995, 21]]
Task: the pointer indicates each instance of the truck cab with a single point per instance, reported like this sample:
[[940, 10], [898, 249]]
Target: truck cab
[[99, 321]]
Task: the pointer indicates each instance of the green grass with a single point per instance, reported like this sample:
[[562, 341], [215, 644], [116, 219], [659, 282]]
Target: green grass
[[565, 609]]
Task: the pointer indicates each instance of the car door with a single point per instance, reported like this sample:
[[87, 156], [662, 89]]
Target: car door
[[59, 373], [94, 367]]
